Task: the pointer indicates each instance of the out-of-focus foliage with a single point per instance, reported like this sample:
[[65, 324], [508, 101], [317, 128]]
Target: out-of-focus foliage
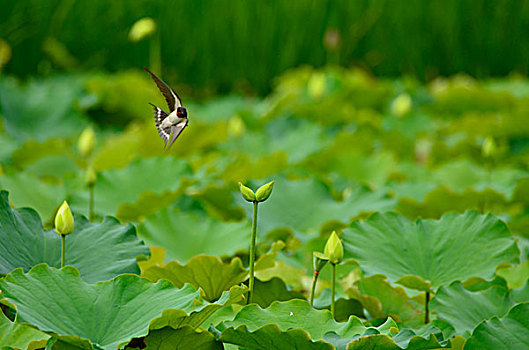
[[226, 46]]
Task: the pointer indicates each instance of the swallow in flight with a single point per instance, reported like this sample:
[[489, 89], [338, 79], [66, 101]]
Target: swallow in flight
[[170, 125]]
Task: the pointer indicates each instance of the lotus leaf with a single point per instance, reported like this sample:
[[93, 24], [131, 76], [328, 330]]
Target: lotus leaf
[[107, 313], [434, 251], [185, 235], [201, 271], [99, 250]]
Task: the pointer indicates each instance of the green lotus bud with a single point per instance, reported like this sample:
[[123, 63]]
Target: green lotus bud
[[247, 193], [235, 126], [316, 85], [264, 192], [488, 148], [143, 28], [64, 220], [320, 260], [334, 249], [86, 142], [401, 105], [90, 176]]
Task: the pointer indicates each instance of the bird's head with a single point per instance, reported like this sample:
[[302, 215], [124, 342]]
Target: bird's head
[[181, 112]]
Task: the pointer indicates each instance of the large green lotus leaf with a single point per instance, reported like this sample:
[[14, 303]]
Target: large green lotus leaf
[[99, 250], [509, 332], [209, 273], [23, 188], [271, 336], [381, 300], [185, 235], [283, 330], [125, 186], [433, 251], [182, 338], [42, 109], [465, 309], [306, 205], [16, 335], [107, 313], [295, 313]]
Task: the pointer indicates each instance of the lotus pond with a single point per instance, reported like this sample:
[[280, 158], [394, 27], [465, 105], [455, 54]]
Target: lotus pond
[[425, 186]]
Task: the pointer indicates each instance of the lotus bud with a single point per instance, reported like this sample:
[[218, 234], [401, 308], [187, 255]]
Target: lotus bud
[[264, 192], [317, 85], [86, 142], [90, 176], [236, 126], [401, 105], [64, 220], [488, 148], [319, 261], [334, 249], [247, 193], [142, 28]]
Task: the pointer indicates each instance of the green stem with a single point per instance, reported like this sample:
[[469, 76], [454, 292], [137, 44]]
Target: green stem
[[333, 287], [91, 203], [63, 250], [427, 308], [252, 251], [314, 281]]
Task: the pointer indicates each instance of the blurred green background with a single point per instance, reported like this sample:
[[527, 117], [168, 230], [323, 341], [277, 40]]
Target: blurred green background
[[220, 46]]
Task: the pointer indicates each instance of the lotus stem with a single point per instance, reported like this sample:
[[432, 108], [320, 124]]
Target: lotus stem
[[333, 287], [63, 250], [252, 251], [314, 281]]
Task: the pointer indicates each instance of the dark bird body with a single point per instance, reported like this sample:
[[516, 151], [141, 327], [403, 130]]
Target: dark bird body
[[170, 125]]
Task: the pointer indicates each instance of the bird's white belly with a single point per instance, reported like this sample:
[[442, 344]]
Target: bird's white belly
[[172, 119]]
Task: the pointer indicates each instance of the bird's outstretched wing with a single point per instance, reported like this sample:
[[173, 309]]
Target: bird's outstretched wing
[[159, 116], [173, 100], [176, 130]]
